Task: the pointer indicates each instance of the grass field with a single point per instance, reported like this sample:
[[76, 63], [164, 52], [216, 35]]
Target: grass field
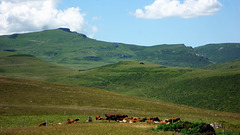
[[89, 129], [28, 103]]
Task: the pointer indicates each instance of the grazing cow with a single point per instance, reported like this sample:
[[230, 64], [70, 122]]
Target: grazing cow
[[110, 117], [173, 120], [42, 124], [75, 120], [164, 121], [68, 121], [71, 121], [141, 120], [116, 117], [102, 119], [153, 120], [125, 120], [132, 121], [98, 117], [89, 119]]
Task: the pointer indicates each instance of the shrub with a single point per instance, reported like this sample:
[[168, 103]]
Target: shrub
[[185, 127]]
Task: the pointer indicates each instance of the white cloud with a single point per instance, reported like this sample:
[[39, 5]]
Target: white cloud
[[174, 8], [19, 16]]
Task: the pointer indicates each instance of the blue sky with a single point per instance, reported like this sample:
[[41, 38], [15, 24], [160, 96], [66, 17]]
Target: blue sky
[[141, 22]]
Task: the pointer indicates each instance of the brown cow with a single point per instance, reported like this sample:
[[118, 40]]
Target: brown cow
[[132, 121], [71, 121], [153, 120], [42, 124], [173, 120], [98, 117], [68, 121]]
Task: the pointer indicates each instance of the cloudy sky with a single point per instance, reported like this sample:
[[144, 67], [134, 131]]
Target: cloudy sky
[[141, 22]]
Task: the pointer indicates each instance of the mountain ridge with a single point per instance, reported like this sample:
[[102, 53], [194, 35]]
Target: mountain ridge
[[71, 49]]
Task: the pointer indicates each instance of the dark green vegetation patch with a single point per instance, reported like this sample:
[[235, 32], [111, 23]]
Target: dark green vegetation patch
[[188, 128]]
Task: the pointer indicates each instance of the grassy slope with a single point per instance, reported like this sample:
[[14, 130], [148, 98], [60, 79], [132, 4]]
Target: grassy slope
[[229, 65], [19, 65], [220, 52], [216, 90], [33, 102], [77, 51]]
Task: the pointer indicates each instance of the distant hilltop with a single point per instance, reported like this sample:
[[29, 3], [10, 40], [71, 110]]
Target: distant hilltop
[[71, 49]]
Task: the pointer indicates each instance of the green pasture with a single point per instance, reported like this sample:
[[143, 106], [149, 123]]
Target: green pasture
[[28, 103]]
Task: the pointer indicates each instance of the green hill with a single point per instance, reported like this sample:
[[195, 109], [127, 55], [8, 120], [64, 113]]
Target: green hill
[[216, 90], [229, 65], [220, 52], [71, 49], [27, 66]]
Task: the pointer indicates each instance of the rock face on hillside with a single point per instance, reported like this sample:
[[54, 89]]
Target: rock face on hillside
[[65, 29]]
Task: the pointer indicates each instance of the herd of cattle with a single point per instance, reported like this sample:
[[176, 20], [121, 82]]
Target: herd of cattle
[[122, 118]]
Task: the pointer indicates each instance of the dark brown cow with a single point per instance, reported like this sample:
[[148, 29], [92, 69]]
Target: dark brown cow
[[153, 120], [75, 120], [141, 120], [121, 116], [110, 117], [42, 124]]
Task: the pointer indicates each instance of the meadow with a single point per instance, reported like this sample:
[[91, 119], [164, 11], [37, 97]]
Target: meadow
[[33, 91], [26, 103]]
